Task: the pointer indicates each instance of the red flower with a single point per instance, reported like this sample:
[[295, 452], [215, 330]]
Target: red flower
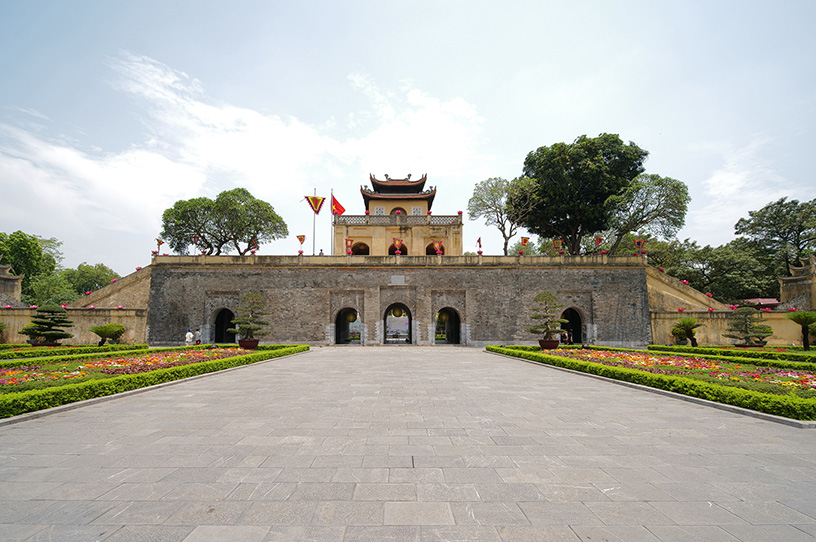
[[709, 294], [766, 309], [793, 309], [711, 309], [681, 309], [684, 281], [661, 269]]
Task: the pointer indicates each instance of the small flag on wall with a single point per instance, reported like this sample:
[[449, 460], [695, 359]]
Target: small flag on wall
[[524, 241], [479, 242], [437, 246], [301, 238], [557, 243], [397, 242], [337, 209], [639, 244], [349, 244], [598, 241], [316, 203]]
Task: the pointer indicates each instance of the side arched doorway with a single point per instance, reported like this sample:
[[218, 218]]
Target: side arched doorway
[[347, 327], [397, 325], [448, 326], [360, 249], [223, 322], [573, 325]]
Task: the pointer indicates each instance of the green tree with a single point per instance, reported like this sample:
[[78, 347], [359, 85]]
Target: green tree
[[249, 323], [489, 200], [27, 256], [88, 277], [806, 320], [46, 325], [651, 204], [545, 315], [685, 328], [745, 324], [110, 331], [572, 183], [786, 228], [49, 290], [233, 219]]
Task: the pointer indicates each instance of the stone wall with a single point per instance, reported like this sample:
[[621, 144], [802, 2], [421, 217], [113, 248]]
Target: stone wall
[[134, 321], [490, 295]]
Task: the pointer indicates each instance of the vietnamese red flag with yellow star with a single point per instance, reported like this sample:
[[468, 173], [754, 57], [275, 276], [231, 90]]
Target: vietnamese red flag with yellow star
[[337, 209]]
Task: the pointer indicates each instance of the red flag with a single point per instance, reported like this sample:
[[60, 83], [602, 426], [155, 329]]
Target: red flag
[[316, 203], [479, 242], [301, 238], [557, 243], [337, 209], [397, 242], [524, 241], [639, 243], [598, 241], [349, 244], [437, 246]]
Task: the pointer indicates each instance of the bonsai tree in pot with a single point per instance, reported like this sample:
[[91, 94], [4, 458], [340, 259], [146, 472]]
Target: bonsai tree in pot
[[745, 325], [684, 327], [548, 325], [806, 319], [249, 324], [45, 327]]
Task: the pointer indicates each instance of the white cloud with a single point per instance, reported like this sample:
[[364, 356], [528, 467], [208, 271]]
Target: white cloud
[[195, 146], [744, 181]]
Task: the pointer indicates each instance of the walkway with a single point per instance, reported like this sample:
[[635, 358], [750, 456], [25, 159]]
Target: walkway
[[404, 444]]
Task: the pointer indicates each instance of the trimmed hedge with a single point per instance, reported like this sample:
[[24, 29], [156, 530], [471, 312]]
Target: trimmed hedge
[[740, 353], [13, 404], [779, 405], [48, 351]]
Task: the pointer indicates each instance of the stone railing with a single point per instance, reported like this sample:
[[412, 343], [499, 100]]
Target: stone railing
[[395, 220]]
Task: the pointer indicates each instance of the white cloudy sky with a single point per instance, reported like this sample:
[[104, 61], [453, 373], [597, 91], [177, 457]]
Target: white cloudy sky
[[112, 111]]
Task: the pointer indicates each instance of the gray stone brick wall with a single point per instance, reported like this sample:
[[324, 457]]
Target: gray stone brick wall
[[492, 300]]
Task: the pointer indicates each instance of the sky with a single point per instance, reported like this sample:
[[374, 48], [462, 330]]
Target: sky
[[110, 112]]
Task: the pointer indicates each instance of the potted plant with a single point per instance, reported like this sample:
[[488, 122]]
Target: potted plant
[[248, 324], [745, 325], [548, 325], [684, 327], [106, 332], [46, 326], [679, 336]]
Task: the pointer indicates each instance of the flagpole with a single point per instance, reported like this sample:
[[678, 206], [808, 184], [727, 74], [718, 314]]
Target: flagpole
[[331, 224], [314, 221]]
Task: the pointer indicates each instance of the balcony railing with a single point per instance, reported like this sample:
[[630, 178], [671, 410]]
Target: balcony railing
[[396, 220]]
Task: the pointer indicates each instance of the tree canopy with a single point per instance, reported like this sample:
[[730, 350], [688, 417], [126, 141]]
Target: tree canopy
[[786, 228], [235, 220], [652, 204], [88, 277], [490, 200], [26, 255], [572, 183]]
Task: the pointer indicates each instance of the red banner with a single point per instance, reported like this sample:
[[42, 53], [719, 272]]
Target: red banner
[[397, 242], [598, 241], [349, 243], [316, 203], [301, 238], [479, 242], [557, 243], [524, 241], [438, 246], [639, 243]]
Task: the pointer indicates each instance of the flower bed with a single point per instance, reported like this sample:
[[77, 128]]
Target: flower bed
[[769, 388], [68, 387], [44, 351], [48, 372]]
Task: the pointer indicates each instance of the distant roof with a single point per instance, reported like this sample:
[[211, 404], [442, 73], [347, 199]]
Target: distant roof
[[762, 301], [390, 186], [369, 195]]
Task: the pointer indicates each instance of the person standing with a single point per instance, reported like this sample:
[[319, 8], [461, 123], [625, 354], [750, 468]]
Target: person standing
[[198, 336], [188, 339]]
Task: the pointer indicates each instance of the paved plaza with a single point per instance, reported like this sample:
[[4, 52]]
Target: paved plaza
[[404, 444]]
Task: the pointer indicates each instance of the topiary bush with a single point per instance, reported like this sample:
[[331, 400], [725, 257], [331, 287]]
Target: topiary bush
[[745, 325], [46, 324], [108, 331]]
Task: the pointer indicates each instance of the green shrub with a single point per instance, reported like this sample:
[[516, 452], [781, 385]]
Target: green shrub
[[46, 325], [27, 351], [108, 331], [749, 354]]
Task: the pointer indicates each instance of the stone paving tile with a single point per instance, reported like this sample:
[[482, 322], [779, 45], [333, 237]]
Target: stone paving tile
[[505, 449], [227, 533]]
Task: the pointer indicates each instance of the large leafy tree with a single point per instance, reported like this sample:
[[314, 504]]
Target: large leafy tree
[[786, 228], [235, 220], [27, 255], [88, 277], [652, 204], [573, 182], [50, 290], [490, 200]]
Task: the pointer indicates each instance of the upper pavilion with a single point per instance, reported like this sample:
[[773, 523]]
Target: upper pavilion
[[398, 209]]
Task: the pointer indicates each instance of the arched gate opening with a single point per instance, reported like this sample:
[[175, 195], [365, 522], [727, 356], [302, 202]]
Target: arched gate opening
[[573, 326], [347, 327], [223, 322], [397, 325], [448, 326]]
